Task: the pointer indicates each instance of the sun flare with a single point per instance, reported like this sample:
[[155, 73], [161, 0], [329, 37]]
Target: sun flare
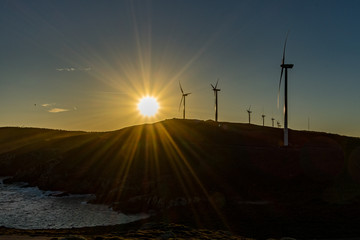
[[148, 106]]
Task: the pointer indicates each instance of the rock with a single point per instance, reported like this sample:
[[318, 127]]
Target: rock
[[73, 238], [62, 194], [167, 235]]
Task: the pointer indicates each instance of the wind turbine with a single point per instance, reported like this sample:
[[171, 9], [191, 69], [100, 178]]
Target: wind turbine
[[308, 123], [272, 120], [285, 66], [249, 113], [263, 117], [278, 124], [183, 99], [216, 90]]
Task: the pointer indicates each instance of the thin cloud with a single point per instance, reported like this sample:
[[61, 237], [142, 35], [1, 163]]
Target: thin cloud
[[52, 108], [57, 110], [71, 69]]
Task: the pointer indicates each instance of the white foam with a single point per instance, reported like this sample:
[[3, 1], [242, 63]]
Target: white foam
[[30, 208]]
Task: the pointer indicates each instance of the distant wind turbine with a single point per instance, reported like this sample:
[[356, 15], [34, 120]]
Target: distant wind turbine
[[216, 90], [249, 113], [263, 118], [183, 96], [285, 66], [272, 121], [308, 123], [278, 124]]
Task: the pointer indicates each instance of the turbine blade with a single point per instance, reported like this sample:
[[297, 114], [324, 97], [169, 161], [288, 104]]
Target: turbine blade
[[278, 100], [283, 58], [281, 74], [212, 86], [216, 83], [182, 91], [181, 102], [282, 69]]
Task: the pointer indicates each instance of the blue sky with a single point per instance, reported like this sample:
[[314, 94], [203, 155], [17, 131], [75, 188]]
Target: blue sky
[[83, 65]]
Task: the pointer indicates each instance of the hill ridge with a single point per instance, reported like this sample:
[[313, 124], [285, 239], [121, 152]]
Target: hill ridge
[[176, 167]]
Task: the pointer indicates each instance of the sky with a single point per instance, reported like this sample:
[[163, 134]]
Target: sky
[[84, 65]]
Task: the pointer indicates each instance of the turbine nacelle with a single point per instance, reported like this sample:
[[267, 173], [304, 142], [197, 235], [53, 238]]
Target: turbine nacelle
[[287, 65], [214, 88]]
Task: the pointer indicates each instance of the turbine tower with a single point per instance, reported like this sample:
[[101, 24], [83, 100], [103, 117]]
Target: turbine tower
[[286, 67], [249, 113], [216, 90], [272, 121], [263, 117], [183, 99]]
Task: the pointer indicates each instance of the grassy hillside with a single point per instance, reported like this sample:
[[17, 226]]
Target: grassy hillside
[[221, 174]]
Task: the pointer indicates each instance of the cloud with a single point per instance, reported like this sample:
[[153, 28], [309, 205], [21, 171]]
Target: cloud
[[71, 69], [51, 108], [57, 110]]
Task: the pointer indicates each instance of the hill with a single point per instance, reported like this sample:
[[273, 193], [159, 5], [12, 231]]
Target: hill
[[207, 174]]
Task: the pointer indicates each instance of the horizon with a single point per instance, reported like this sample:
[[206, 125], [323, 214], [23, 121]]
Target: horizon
[[181, 119], [84, 66]]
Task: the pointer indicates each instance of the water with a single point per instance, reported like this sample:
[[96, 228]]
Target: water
[[30, 208]]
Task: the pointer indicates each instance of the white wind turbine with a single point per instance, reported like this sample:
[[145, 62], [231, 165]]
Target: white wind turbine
[[183, 96], [285, 66], [263, 119], [249, 113], [216, 90]]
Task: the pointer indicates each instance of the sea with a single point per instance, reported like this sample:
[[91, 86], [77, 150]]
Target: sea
[[26, 207]]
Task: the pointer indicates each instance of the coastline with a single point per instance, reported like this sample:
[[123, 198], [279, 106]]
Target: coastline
[[134, 230]]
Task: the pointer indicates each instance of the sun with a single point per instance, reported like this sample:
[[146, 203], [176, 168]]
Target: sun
[[148, 106]]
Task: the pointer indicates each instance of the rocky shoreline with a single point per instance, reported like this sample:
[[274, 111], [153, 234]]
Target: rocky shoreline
[[138, 230]]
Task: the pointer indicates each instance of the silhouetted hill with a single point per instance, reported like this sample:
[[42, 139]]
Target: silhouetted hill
[[227, 175]]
